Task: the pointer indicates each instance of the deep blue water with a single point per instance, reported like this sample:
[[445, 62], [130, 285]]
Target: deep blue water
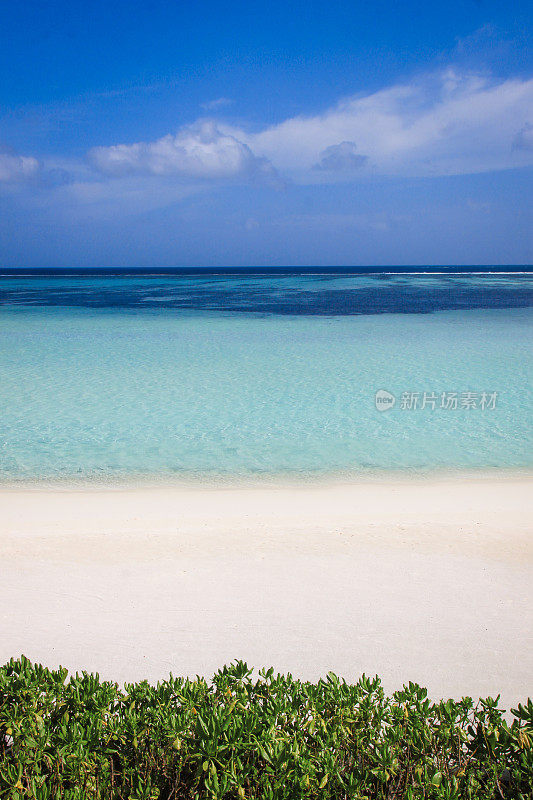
[[333, 291]]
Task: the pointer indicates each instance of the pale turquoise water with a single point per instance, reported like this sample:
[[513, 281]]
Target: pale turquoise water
[[106, 393]]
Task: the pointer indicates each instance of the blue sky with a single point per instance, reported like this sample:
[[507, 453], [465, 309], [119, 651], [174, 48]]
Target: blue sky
[[169, 134]]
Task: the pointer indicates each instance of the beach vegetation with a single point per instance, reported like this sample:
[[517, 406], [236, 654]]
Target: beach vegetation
[[245, 735]]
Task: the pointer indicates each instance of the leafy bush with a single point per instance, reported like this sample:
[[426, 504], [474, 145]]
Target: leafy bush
[[236, 737]]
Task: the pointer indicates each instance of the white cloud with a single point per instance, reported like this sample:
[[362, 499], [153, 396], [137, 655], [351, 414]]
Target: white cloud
[[442, 124], [17, 168], [200, 151], [524, 138], [215, 105], [446, 123], [340, 158]]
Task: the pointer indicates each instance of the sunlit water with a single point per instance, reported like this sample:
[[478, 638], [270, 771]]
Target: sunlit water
[[128, 378]]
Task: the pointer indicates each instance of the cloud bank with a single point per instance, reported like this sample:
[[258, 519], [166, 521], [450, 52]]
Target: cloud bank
[[340, 158], [446, 123], [199, 151], [16, 168], [440, 124]]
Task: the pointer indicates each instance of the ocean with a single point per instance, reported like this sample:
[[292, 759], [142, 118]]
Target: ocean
[[113, 375]]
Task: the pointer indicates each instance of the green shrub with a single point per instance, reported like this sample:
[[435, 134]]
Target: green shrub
[[237, 737]]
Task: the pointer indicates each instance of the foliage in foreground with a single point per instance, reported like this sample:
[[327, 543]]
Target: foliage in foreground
[[235, 737]]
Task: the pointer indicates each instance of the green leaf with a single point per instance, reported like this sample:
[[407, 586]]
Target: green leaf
[[264, 753], [437, 779]]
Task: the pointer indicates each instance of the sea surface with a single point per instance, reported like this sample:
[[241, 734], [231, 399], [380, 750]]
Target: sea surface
[[221, 374]]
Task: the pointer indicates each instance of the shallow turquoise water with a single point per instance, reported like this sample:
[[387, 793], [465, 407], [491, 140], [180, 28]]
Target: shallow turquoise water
[[105, 393]]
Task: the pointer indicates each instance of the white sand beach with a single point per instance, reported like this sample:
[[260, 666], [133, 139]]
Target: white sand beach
[[429, 580]]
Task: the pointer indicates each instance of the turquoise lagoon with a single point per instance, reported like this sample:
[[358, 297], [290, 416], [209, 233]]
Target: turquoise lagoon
[[243, 379]]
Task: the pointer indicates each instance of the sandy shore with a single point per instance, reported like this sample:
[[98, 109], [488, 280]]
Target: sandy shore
[[424, 580]]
